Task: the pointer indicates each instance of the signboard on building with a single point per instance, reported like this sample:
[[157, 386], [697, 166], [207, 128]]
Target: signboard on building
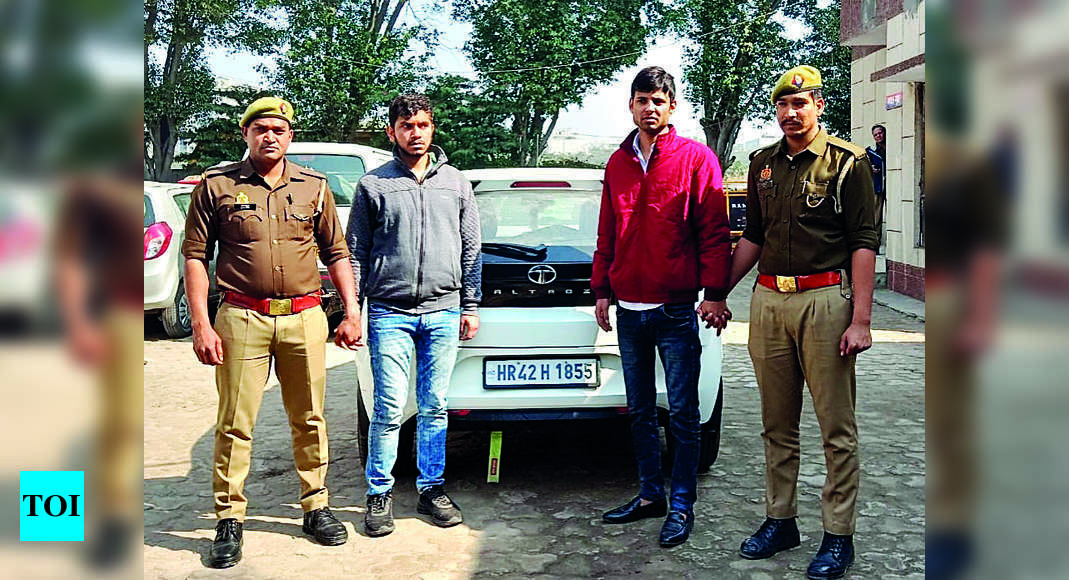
[[894, 101]]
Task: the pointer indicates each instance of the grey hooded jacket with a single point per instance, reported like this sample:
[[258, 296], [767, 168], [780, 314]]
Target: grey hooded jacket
[[416, 245]]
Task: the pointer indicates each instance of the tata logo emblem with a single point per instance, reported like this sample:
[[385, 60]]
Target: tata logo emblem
[[541, 274]]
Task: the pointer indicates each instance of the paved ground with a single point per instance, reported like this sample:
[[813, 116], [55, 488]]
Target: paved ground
[[543, 519]]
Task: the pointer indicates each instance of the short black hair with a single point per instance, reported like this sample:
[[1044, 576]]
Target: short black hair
[[652, 79], [407, 105], [878, 126]]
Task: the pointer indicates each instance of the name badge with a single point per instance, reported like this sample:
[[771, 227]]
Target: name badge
[[242, 206]]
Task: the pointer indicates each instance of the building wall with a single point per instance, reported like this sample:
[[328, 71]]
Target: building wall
[[902, 37]]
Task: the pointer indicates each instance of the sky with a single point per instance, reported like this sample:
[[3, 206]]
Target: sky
[[603, 113]]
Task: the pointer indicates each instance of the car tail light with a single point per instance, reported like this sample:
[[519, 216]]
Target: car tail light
[[540, 184], [460, 412], [157, 239], [191, 180]]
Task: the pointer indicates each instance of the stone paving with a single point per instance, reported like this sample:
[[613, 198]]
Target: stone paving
[[543, 519]]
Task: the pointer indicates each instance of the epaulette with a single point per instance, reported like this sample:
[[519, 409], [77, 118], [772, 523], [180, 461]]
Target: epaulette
[[858, 152], [760, 149], [312, 173], [222, 169]]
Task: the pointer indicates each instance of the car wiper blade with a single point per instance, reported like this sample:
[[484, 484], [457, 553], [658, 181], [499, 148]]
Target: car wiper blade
[[516, 250]]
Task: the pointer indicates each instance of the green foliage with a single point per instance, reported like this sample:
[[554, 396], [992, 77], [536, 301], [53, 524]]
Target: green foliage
[[512, 39], [833, 61], [469, 127], [739, 50], [218, 139], [179, 88], [568, 161], [344, 59]]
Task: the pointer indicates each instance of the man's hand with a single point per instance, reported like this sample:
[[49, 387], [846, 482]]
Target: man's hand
[[469, 325], [714, 314], [349, 334], [88, 344], [601, 312], [856, 339], [207, 345]]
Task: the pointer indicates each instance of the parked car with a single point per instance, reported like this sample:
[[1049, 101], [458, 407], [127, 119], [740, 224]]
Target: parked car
[[343, 164], [165, 217], [26, 217], [539, 353]]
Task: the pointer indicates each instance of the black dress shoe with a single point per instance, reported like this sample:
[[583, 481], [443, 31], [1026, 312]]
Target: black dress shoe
[[633, 511], [325, 527], [835, 555], [226, 549], [773, 536], [676, 528]]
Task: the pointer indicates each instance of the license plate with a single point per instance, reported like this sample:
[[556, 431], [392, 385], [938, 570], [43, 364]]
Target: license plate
[[543, 372]]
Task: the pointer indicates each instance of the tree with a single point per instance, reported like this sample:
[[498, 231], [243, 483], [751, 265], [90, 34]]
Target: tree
[[537, 57], [218, 139], [468, 126], [833, 60], [345, 57], [739, 50], [179, 88]]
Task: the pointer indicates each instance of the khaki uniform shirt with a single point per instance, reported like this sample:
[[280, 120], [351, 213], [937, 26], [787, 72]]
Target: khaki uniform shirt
[[810, 213], [267, 237]]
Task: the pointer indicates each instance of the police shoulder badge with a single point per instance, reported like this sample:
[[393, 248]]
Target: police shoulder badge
[[766, 173]]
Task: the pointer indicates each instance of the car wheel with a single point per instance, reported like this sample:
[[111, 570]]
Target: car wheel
[[406, 444], [708, 437], [176, 318]]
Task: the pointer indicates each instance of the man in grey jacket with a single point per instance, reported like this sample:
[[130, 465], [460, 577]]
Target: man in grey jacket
[[415, 242]]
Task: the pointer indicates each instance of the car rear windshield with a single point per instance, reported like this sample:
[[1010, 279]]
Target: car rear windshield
[[544, 216], [342, 171]]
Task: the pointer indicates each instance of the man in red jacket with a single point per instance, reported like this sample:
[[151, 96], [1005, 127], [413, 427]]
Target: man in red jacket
[[662, 237]]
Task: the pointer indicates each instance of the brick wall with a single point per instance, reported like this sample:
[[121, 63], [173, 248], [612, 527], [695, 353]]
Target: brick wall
[[905, 279]]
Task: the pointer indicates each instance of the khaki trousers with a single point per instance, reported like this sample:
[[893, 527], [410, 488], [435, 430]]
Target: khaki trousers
[[794, 338], [950, 407], [297, 343]]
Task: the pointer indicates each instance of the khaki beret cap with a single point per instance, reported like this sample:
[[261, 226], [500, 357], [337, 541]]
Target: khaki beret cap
[[797, 80], [267, 107]]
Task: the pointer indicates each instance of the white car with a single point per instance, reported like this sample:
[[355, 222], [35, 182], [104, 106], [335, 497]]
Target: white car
[[539, 353], [165, 218]]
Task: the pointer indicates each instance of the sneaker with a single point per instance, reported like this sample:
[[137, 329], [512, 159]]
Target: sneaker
[[434, 502], [378, 521]]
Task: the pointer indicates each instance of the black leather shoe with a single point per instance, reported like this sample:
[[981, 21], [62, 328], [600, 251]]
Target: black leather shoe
[[325, 527], [835, 555], [226, 549], [633, 511], [434, 502], [773, 536], [676, 528], [378, 521]]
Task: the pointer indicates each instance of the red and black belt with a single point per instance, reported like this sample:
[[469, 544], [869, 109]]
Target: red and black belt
[[273, 306], [790, 284]]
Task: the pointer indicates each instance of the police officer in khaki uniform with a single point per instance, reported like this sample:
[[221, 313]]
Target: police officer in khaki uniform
[[810, 230], [269, 217]]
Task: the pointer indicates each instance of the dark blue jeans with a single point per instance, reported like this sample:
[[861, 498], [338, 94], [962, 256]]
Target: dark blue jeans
[[671, 330]]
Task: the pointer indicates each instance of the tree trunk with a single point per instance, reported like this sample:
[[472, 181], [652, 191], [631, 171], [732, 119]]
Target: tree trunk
[[543, 141], [720, 136]]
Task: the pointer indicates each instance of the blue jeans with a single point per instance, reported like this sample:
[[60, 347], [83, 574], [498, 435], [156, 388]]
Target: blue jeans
[[392, 337], [671, 330]]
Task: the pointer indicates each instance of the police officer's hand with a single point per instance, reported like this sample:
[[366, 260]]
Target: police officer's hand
[[349, 334], [207, 345], [714, 314], [601, 312], [469, 325], [856, 339]]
